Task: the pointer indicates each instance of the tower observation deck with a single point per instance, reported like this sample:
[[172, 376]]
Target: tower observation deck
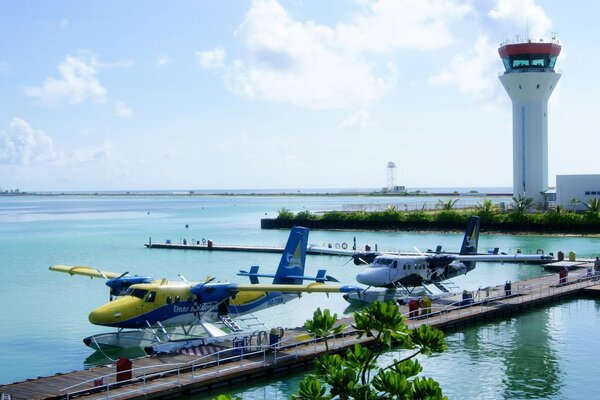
[[529, 80]]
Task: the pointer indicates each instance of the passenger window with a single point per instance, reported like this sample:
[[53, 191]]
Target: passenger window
[[169, 300], [394, 264], [177, 299]]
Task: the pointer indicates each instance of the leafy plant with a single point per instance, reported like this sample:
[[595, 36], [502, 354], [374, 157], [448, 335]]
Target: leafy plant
[[447, 205], [521, 204], [285, 213], [322, 325], [349, 377]]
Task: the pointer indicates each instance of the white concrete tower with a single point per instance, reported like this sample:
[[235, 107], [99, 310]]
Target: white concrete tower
[[529, 80], [391, 176]]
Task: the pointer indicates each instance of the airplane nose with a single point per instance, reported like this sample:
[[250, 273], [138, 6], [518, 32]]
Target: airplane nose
[[368, 277], [112, 313], [102, 316]]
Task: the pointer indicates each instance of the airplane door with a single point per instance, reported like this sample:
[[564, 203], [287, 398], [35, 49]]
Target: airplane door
[[148, 304], [393, 272]]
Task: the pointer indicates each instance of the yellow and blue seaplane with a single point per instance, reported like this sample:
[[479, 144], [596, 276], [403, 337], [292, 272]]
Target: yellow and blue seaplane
[[159, 309]]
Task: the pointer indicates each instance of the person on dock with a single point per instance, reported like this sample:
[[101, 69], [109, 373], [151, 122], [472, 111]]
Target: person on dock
[[507, 288], [597, 264]]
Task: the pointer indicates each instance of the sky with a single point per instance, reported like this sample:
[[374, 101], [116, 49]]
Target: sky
[[266, 94]]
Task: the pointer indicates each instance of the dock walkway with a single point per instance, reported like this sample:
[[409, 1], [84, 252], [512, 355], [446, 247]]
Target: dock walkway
[[169, 375]]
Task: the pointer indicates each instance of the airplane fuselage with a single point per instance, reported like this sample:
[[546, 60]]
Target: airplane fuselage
[[174, 304]]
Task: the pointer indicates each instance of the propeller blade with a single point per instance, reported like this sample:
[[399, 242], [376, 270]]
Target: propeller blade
[[102, 273], [183, 278]]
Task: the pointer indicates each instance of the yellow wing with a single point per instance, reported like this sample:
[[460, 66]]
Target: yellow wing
[[85, 271]]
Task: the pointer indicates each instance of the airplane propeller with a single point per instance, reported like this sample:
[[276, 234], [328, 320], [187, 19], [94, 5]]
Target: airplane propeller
[[113, 284]]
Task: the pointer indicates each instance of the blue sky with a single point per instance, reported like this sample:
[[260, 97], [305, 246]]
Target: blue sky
[[113, 95]]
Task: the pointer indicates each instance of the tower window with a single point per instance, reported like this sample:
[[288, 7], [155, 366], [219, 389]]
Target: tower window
[[538, 86], [520, 87]]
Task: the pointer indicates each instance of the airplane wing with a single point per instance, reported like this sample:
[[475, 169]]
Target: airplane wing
[[85, 271], [503, 257], [327, 250], [313, 287]]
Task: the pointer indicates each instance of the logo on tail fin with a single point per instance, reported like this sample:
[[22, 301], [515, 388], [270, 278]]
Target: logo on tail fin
[[471, 238], [294, 260]]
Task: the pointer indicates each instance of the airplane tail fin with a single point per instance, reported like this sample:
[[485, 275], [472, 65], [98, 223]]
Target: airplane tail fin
[[471, 239], [291, 266]]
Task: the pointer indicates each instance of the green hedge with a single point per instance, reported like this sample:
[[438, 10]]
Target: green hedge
[[392, 218]]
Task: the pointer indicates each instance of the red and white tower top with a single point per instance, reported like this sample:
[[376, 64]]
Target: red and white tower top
[[529, 56]]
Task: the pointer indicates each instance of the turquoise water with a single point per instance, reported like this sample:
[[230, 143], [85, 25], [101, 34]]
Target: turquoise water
[[549, 353], [44, 314]]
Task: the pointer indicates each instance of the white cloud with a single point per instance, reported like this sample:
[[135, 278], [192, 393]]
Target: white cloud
[[358, 119], [64, 23], [122, 110], [163, 60], [23, 145], [391, 24], [473, 72], [330, 67], [78, 82], [523, 14], [211, 58], [93, 155]]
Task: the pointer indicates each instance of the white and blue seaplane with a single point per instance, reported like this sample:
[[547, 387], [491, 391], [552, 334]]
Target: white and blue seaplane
[[147, 311], [399, 277]]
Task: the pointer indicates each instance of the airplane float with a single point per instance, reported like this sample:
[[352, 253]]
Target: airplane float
[[400, 274], [153, 306]]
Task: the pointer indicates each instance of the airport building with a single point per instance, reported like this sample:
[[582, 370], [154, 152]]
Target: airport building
[[574, 191]]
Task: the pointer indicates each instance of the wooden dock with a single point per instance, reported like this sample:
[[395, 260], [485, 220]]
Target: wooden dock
[[171, 375]]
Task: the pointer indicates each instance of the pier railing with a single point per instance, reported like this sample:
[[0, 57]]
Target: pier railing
[[520, 293], [205, 367]]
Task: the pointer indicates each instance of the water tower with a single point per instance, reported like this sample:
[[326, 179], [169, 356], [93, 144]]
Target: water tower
[[529, 80], [391, 176]]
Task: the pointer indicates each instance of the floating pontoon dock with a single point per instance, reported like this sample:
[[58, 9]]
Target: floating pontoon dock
[[172, 375]]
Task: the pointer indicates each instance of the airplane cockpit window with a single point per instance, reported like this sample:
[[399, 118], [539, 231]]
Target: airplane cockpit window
[[139, 293], [383, 262], [151, 297]]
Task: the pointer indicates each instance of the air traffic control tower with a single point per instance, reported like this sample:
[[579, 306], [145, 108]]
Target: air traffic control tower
[[529, 80]]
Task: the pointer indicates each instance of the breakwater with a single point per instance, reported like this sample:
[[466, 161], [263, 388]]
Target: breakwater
[[371, 224]]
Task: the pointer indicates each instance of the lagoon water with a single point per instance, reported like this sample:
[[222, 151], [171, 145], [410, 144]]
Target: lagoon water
[[544, 353]]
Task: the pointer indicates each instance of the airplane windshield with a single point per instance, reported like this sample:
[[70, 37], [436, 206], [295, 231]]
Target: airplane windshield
[[139, 293], [383, 262]]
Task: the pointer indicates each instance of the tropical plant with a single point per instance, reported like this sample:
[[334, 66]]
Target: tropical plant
[[322, 325], [446, 205], [305, 215], [360, 374], [227, 397], [285, 213], [521, 204], [574, 202], [593, 205], [486, 210]]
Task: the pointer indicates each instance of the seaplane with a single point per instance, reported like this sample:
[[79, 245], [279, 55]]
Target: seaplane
[[399, 275], [159, 309]]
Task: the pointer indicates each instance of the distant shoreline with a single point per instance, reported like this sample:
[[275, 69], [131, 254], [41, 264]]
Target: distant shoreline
[[270, 194]]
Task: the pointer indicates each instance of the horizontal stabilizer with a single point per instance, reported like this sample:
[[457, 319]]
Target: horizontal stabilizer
[[254, 275]]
